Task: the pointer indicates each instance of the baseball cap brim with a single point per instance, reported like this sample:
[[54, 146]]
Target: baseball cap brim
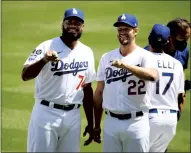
[[75, 16], [116, 24]]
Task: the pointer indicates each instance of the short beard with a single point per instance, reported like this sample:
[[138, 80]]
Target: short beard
[[70, 36], [126, 42]]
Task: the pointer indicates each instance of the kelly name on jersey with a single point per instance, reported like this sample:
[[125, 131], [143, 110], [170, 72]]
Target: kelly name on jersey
[[165, 64]]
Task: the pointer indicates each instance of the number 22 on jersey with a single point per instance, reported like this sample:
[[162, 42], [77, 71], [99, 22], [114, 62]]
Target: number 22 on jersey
[[132, 87]]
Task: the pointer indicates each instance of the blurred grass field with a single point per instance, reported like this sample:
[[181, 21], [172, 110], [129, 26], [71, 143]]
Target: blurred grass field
[[26, 24]]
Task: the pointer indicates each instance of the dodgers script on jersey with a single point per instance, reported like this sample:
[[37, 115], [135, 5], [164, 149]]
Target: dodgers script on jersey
[[124, 92], [171, 82], [62, 81]]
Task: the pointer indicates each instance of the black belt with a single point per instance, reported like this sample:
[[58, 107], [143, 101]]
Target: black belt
[[154, 110], [124, 116], [58, 106]]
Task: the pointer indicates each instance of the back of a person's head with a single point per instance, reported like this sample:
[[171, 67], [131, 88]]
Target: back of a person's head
[[159, 36]]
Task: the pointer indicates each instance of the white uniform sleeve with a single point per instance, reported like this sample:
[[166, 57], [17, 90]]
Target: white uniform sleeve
[[91, 69], [100, 71], [181, 87], [36, 55], [149, 61]]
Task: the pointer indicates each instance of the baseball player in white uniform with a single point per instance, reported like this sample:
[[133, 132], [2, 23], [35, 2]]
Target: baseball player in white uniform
[[123, 87], [166, 92], [64, 69]]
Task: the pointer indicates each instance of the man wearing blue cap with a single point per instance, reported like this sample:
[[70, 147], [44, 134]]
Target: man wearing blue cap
[[62, 85], [177, 46], [122, 91], [166, 93]]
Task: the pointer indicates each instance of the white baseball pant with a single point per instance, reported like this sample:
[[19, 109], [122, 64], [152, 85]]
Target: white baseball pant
[[162, 129], [54, 130], [130, 135]]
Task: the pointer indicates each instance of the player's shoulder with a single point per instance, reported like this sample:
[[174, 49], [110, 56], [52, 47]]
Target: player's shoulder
[[140, 49], [111, 53], [143, 52], [49, 41], [170, 57], [84, 47], [178, 65], [177, 62]]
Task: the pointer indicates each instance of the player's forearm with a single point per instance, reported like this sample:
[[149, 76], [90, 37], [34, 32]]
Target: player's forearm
[[31, 71], [88, 104], [181, 101], [98, 111], [150, 74], [187, 85]]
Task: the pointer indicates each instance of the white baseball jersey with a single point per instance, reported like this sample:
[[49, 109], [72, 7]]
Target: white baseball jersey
[[61, 81], [171, 82], [124, 92]]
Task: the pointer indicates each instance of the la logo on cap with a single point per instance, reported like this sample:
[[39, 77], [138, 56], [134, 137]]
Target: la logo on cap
[[74, 11], [123, 17], [159, 39]]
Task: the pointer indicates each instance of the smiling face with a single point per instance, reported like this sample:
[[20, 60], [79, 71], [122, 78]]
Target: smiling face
[[72, 28], [126, 34]]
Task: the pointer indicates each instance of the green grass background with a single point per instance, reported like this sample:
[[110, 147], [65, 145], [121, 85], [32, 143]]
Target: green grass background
[[26, 24]]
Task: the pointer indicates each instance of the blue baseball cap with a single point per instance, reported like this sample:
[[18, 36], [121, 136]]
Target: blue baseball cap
[[127, 19], [74, 12], [160, 34]]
